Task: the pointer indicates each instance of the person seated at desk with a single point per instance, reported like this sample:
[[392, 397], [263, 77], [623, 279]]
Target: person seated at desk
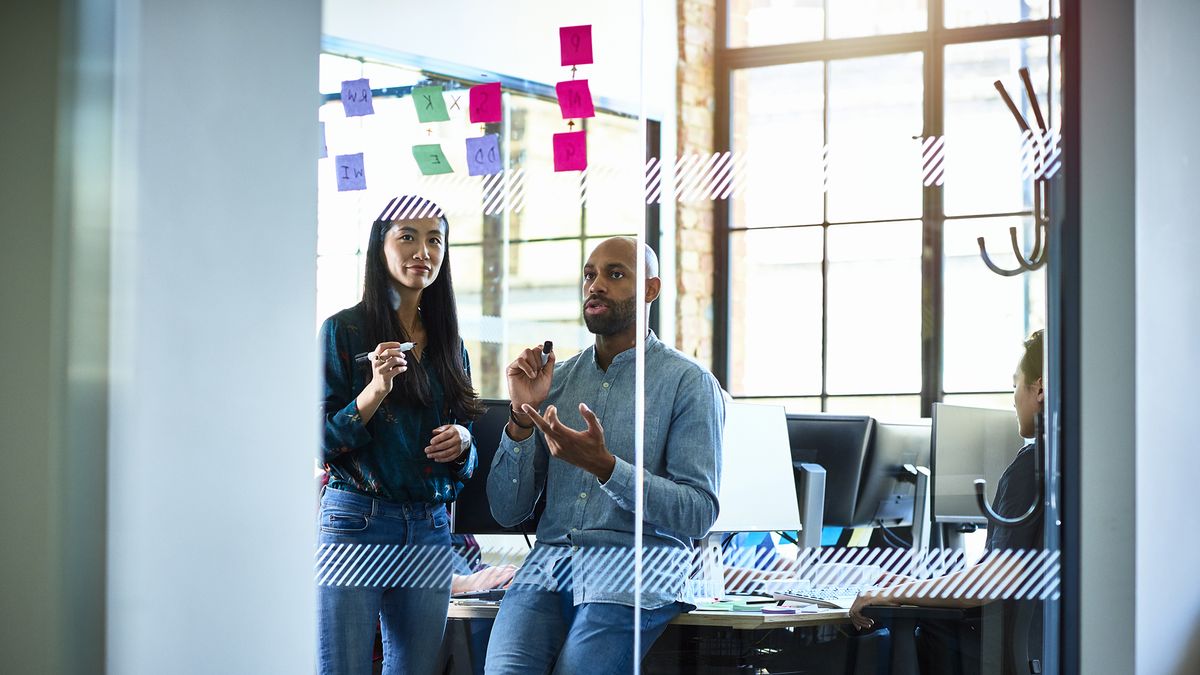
[[1014, 494], [566, 611]]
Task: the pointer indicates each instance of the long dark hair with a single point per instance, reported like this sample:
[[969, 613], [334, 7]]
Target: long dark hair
[[439, 314]]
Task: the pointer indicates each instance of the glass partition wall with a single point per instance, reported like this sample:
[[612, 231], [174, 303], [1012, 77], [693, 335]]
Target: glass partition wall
[[812, 178]]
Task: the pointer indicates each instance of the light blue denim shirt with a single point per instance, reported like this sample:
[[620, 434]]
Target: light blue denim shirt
[[592, 522]]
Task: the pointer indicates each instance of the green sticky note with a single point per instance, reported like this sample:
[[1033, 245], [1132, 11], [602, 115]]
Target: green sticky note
[[431, 159], [431, 106]]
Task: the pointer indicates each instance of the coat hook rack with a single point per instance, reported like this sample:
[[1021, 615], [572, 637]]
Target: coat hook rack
[[1041, 220]]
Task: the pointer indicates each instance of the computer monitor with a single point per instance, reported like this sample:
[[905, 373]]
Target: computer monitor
[[888, 489], [839, 443], [757, 492], [969, 443], [470, 513]]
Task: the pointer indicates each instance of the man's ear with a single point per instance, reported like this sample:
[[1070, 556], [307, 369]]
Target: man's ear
[[653, 288], [1041, 391]]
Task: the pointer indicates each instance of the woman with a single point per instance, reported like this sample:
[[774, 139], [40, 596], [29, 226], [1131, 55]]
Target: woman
[[395, 447]]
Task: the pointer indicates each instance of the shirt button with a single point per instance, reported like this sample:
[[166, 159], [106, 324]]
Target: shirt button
[[574, 548], [514, 480], [605, 385], [583, 495], [516, 451], [574, 529]]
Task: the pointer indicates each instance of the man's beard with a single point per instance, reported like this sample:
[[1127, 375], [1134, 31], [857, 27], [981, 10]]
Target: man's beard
[[620, 316]]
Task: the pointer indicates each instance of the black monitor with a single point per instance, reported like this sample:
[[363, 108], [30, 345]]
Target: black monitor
[[887, 491], [839, 443], [471, 513]]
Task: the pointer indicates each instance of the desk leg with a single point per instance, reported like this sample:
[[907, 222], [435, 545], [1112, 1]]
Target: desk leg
[[904, 646]]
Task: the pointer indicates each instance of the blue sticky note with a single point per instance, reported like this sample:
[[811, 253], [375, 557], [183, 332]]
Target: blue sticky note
[[350, 172], [483, 155], [830, 535], [324, 147], [356, 98]]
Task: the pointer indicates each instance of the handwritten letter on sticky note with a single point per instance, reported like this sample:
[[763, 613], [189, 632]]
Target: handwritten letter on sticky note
[[356, 98], [575, 99], [350, 172], [575, 43], [485, 103], [431, 160], [431, 106], [483, 155], [570, 151]]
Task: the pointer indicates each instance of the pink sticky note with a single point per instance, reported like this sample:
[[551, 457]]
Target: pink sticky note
[[575, 99], [575, 43], [570, 151], [485, 103]]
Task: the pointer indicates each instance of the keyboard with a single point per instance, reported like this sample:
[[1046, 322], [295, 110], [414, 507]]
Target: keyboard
[[832, 597], [487, 595]]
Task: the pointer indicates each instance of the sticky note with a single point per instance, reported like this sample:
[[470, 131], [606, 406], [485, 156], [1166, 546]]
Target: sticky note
[[570, 151], [350, 172], [431, 107], [575, 99], [575, 43], [324, 147], [431, 160], [485, 103], [483, 155], [356, 98]]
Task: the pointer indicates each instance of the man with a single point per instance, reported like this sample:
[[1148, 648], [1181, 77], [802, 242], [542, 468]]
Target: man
[[571, 433], [1015, 492]]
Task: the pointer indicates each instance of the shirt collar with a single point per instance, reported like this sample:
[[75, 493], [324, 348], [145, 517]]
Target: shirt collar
[[652, 343]]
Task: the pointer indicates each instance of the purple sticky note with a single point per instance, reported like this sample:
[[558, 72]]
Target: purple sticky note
[[356, 98], [575, 99], [570, 151], [485, 103], [324, 147], [483, 155], [575, 43], [350, 172]]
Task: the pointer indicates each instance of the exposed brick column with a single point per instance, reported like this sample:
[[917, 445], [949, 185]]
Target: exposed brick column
[[694, 234]]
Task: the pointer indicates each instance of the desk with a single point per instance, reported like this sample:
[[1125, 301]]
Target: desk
[[699, 617]]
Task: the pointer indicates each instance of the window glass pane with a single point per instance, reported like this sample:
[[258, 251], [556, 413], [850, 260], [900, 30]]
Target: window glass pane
[[859, 18], [879, 407], [778, 130], [979, 12], [986, 316], [983, 143], [754, 23], [613, 194], [874, 310], [775, 312], [875, 111], [809, 404], [998, 401]]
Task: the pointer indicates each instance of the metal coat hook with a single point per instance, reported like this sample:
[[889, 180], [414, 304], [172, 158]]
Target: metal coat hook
[[1041, 220], [1039, 453]]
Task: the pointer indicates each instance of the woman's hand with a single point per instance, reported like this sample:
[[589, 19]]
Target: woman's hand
[[449, 442], [864, 600], [387, 361], [484, 579]]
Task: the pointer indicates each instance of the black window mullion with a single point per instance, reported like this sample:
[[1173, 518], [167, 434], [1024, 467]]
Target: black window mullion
[[933, 218]]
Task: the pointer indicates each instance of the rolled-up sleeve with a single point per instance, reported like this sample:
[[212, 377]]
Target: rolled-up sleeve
[[517, 478], [685, 500], [344, 428]]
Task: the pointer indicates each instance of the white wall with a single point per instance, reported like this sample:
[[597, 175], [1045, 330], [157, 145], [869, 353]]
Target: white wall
[[215, 378], [1168, 335]]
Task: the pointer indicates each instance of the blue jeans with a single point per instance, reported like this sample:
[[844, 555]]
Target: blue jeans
[[540, 631], [381, 561]]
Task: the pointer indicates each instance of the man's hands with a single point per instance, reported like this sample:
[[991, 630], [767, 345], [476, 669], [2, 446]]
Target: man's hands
[[529, 380], [585, 449], [449, 442]]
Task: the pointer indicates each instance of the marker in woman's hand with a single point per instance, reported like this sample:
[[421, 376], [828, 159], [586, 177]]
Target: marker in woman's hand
[[367, 357], [546, 349]]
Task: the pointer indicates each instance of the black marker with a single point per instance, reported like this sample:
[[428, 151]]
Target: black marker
[[367, 357], [546, 349]]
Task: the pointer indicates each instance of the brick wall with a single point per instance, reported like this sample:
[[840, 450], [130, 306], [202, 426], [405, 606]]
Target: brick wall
[[694, 236]]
